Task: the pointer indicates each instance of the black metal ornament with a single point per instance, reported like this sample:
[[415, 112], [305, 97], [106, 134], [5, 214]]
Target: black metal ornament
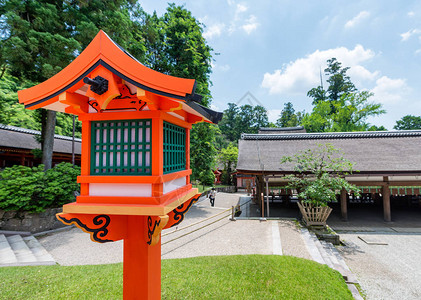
[[99, 85]]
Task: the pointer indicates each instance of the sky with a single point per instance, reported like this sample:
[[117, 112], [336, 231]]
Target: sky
[[271, 52]]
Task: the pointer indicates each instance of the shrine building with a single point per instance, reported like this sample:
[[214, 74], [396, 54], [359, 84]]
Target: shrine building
[[388, 162]]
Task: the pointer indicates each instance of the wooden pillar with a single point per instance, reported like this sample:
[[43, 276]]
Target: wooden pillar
[[142, 263], [344, 205], [386, 200], [259, 189], [267, 196]]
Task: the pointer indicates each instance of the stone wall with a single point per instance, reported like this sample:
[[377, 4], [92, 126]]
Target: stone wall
[[31, 222]]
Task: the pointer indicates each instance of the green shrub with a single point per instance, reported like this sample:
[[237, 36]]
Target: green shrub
[[31, 189], [60, 185]]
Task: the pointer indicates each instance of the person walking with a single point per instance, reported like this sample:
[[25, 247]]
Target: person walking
[[212, 196]]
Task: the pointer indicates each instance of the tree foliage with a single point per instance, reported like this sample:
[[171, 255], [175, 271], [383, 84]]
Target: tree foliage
[[408, 122], [341, 107], [339, 83], [228, 157], [351, 113], [177, 47], [319, 174], [243, 119], [39, 38], [203, 152], [288, 117]]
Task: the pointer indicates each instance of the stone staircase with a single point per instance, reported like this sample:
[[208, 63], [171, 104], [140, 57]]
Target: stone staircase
[[325, 253], [18, 250]]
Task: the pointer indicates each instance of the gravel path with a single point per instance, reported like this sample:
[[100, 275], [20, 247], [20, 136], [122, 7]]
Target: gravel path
[[389, 271], [292, 241], [225, 237]]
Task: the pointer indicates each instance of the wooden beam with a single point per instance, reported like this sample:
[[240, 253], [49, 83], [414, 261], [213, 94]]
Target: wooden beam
[[193, 119], [150, 98], [77, 102], [344, 205]]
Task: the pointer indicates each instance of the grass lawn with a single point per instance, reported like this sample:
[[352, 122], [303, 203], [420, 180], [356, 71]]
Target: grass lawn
[[218, 277]]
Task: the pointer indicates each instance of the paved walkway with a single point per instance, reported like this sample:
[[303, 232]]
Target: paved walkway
[[388, 267], [225, 237]]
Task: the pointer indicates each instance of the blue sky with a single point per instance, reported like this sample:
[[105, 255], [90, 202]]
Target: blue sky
[[275, 50]]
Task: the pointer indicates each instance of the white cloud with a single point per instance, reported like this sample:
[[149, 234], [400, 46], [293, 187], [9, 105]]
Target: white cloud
[[411, 14], [406, 35], [357, 19], [214, 31], [301, 75], [239, 20], [240, 9], [361, 75], [389, 91], [250, 25]]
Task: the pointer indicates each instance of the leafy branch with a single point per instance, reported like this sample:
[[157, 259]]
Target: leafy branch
[[319, 174]]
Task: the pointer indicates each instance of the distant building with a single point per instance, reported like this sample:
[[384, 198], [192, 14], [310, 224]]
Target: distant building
[[389, 162], [17, 145]]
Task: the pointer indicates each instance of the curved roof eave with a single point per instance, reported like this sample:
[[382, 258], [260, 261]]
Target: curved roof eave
[[104, 51]]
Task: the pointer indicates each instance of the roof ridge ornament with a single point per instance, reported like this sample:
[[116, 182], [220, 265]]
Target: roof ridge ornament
[[99, 85]]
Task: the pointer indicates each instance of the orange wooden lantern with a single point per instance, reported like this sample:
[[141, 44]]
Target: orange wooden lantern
[[135, 177]]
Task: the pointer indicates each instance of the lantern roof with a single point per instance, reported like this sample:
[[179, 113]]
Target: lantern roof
[[101, 56]]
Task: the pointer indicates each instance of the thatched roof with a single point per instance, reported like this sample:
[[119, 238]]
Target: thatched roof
[[16, 137], [377, 152]]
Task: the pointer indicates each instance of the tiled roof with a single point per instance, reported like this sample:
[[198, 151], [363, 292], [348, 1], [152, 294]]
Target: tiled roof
[[372, 152], [17, 137], [281, 130], [331, 135]]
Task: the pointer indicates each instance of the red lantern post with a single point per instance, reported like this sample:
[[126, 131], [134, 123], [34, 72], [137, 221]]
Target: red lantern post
[[135, 172]]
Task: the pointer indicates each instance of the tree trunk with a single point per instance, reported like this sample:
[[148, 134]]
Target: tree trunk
[[48, 139]]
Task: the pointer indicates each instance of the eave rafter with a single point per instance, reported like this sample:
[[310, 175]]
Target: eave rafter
[[77, 104], [156, 102]]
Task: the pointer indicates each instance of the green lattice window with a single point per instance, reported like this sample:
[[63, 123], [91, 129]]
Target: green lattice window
[[174, 148], [121, 147]]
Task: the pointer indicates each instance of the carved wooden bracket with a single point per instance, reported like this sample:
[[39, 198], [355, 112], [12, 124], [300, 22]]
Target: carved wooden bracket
[[102, 228], [176, 216], [154, 227]]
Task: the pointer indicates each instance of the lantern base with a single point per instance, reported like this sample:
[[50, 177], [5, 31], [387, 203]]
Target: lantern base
[[130, 209]]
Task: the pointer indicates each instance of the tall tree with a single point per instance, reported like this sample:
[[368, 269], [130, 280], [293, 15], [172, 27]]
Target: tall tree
[[339, 83], [177, 47], [228, 157], [351, 113], [203, 153], [341, 107], [36, 45], [243, 119], [229, 123], [288, 117], [39, 38], [408, 122]]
